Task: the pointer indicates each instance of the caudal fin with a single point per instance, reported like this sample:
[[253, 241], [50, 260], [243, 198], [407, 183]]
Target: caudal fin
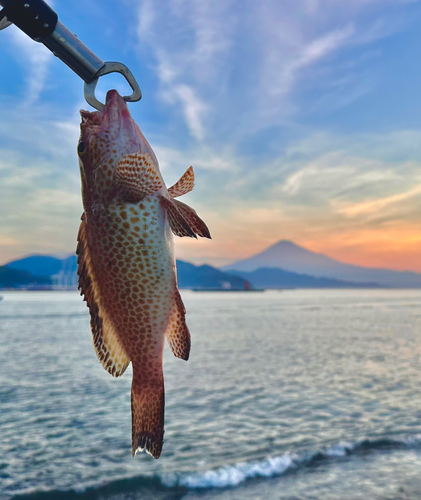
[[148, 416]]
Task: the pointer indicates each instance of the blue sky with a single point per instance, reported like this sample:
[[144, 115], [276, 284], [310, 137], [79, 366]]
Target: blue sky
[[301, 118]]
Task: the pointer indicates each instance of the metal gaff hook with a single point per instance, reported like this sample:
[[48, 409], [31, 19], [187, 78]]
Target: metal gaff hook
[[111, 67], [39, 21]]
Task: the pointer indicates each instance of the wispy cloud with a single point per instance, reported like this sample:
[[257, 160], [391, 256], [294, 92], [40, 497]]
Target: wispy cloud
[[187, 41], [385, 207], [281, 80], [36, 59], [235, 68], [40, 198], [193, 108], [332, 200]]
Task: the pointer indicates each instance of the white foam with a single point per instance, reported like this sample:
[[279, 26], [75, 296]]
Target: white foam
[[232, 475], [340, 449], [412, 440]]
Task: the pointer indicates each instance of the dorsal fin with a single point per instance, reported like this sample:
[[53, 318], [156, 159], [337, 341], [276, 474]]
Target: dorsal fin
[[108, 346], [184, 185], [177, 333], [137, 175]]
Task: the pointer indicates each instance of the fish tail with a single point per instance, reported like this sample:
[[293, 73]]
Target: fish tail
[[148, 401]]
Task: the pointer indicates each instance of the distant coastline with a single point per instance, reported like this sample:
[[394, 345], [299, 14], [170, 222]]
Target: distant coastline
[[282, 266]]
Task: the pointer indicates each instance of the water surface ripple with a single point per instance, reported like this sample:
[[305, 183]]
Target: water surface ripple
[[312, 394]]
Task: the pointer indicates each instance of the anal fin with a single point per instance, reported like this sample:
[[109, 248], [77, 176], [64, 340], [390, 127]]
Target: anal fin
[[108, 346], [177, 333]]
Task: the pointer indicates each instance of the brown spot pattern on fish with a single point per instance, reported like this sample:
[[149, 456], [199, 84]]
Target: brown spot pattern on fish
[[126, 263], [108, 346], [137, 175], [148, 417], [177, 333]]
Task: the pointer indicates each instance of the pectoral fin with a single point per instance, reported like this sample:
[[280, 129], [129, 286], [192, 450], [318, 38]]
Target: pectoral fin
[[108, 346], [178, 224], [184, 185], [137, 176], [177, 333], [193, 220]]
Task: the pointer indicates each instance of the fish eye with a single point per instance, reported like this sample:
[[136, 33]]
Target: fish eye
[[81, 148]]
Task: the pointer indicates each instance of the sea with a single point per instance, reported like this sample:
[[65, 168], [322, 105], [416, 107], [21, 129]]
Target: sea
[[290, 394]]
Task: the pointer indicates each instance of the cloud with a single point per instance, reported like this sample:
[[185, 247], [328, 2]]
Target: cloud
[[343, 197], [193, 108], [40, 197], [36, 59], [185, 39], [388, 207], [247, 93], [230, 69], [281, 80]]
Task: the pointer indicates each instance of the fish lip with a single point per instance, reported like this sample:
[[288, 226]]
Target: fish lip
[[115, 124], [115, 109], [117, 121]]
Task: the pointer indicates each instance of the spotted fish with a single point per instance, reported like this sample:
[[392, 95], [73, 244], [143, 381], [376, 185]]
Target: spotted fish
[[126, 263]]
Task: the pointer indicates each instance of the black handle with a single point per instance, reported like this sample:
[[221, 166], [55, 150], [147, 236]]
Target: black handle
[[39, 21], [34, 17]]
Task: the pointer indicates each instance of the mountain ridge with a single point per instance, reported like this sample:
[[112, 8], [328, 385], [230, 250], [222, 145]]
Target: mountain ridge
[[15, 278], [289, 256], [276, 278], [61, 273]]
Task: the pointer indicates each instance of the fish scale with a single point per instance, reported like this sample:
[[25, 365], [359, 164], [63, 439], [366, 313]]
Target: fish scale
[[126, 261]]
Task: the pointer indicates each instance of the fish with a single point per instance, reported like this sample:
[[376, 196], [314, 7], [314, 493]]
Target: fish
[[126, 261]]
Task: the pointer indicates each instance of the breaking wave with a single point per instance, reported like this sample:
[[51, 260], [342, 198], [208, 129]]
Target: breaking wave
[[233, 475], [228, 476]]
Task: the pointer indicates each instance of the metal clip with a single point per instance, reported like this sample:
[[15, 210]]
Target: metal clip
[[111, 67], [40, 22], [4, 23]]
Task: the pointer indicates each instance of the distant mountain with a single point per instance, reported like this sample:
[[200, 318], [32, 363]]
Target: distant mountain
[[13, 278], [270, 277], [288, 256], [62, 273], [44, 265], [190, 276]]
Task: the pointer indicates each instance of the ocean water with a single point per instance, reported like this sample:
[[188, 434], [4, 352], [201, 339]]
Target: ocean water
[[294, 395]]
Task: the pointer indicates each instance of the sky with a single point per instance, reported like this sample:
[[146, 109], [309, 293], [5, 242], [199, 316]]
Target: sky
[[301, 118]]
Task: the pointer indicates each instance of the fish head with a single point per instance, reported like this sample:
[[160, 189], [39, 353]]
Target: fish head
[[106, 136]]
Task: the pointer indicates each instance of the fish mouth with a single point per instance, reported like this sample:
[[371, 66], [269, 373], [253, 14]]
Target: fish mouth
[[114, 123], [115, 109], [115, 113], [90, 118]]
